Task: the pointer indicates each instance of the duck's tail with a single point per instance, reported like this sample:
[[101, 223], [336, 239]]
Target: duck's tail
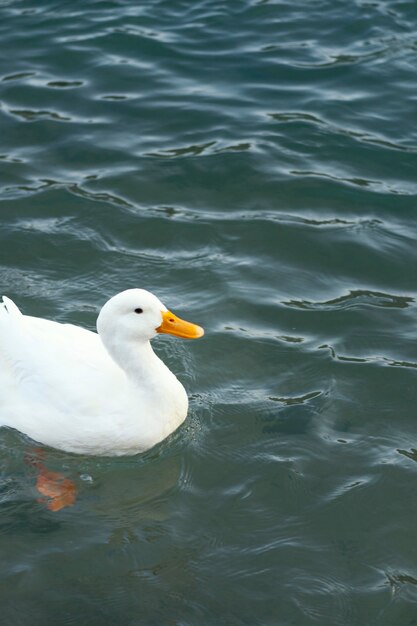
[[9, 307]]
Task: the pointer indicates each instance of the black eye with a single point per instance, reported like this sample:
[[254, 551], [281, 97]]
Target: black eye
[[139, 310]]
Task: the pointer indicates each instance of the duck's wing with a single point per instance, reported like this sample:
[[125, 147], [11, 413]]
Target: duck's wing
[[45, 362]]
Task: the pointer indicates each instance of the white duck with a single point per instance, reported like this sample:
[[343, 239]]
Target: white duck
[[106, 394]]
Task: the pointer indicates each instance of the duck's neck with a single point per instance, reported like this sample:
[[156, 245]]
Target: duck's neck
[[138, 361]]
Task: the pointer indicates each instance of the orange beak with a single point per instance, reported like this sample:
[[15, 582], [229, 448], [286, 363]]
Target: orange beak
[[173, 325]]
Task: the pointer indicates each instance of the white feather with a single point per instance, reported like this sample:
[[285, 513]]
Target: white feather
[[106, 394]]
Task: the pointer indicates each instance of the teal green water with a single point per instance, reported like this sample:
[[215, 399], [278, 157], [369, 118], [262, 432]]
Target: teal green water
[[253, 164]]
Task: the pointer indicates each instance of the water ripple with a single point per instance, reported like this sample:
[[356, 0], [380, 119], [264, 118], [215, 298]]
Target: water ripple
[[254, 165], [378, 359], [356, 298]]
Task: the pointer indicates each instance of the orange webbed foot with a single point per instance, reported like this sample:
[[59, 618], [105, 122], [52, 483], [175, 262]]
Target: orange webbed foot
[[59, 491]]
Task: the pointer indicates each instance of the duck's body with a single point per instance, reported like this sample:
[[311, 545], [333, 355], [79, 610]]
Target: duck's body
[[102, 394]]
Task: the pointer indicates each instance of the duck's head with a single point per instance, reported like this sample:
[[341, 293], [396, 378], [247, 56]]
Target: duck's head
[[138, 315]]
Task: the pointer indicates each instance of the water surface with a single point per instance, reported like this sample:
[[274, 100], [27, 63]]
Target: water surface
[[254, 164]]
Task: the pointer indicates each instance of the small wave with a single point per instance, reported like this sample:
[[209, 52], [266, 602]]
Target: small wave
[[18, 76], [263, 334], [238, 147], [32, 116], [321, 597], [289, 401], [384, 48], [115, 97], [351, 484], [193, 150], [333, 129], [410, 454], [65, 84], [288, 218], [398, 580], [378, 186], [376, 359], [355, 298], [101, 196], [73, 188], [8, 158]]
